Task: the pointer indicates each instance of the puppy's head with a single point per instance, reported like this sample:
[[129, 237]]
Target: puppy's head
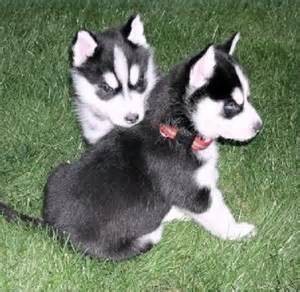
[[113, 72], [217, 96]]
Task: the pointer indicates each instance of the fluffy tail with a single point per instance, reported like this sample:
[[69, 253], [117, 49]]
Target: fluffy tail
[[12, 215]]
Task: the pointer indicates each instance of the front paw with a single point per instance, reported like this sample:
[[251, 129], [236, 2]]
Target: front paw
[[240, 231]]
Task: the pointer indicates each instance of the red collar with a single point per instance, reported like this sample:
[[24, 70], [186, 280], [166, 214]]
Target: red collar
[[170, 132]]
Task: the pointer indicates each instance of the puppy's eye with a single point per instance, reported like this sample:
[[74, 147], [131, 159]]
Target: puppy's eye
[[231, 109], [140, 82], [106, 88]]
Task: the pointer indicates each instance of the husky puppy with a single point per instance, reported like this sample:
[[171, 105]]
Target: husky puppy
[[113, 73], [114, 201]]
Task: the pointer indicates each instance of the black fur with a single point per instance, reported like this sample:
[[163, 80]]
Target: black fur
[[122, 188]]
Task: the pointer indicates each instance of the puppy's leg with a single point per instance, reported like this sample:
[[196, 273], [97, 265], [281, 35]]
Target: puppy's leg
[[218, 220], [175, 214]]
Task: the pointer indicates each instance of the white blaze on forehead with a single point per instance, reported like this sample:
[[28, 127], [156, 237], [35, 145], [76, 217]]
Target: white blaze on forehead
[[111, 79], [121, 66], [134, 74], [244, 81], [237, 96]]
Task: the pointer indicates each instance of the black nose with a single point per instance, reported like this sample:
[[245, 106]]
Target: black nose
[[257, 127], [131, 118]]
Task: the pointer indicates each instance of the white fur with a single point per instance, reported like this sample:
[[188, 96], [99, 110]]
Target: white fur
[[203, 69], [207, 174], [83, 48], [121, 67], [237, 96], [241, 127], [209, 121], [234, 43], [136, 35], [93, 126], [244, 81], [175, 214], [153, 237], [87, 93], [134, 74], [219, 221], [111, 79]]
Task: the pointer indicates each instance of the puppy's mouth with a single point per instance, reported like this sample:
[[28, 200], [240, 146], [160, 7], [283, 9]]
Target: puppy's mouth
[[233, 142]]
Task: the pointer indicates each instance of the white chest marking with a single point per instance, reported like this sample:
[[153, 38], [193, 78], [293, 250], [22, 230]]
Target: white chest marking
[[207, 174]]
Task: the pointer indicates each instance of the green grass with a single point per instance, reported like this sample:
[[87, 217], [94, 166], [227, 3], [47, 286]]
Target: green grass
[[38, 130]]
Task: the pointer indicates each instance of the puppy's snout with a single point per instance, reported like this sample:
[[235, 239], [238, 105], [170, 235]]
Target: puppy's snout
[[257, 126], [131, 118]]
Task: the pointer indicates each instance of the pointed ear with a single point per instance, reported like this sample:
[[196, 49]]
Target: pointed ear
[[83, 47], [133, 30], [230, 45], [203, 68]]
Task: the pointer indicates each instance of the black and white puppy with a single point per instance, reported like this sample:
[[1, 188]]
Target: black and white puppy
[[113, 73], [114, 201]]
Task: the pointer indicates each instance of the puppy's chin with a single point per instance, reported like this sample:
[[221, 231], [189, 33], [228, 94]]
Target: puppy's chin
[[124, 124], [231, 142], [237, 141]]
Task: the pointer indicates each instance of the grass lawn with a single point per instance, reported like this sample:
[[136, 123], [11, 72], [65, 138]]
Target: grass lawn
[[38, 130]]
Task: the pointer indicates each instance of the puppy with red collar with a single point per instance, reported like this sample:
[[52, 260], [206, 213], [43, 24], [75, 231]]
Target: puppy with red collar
[[113, 202]]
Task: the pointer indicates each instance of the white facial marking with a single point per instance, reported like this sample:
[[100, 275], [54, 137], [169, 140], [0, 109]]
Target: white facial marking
[[237, 96], [136, 35], [134, 74], [83, 48], [205, 118], [150, 75], [210, 122], [111, 79], [121, 67], [234, 43], [203, 69], [93, 127], [244, 81]]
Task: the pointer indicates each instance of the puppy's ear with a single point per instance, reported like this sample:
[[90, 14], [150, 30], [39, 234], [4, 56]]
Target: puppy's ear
[[83, 47], [133, 30], [230, 45], [203, 67]]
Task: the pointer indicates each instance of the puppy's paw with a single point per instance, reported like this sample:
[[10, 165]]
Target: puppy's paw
[[240, 231]]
